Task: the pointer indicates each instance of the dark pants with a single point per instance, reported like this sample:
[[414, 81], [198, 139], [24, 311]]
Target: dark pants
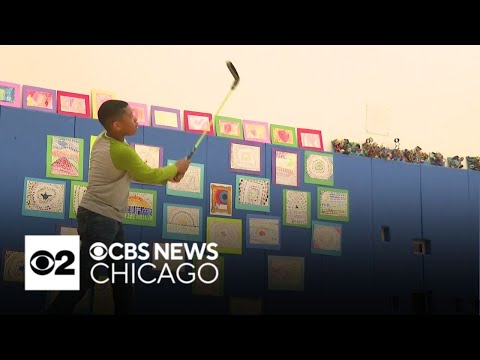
[[92, 228]]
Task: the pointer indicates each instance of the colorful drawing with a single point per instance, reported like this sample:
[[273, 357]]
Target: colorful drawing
[[41, 99], [77, 190], [140, 111], [64, 157], [333, 204], [256, 131], [10, 94], [164, 117], [326, 238], [191, 184], [182, 222], [14, 266], [220, 199], [73, 104], [198, 122], [310, 139], [226, 233], [228, 127], [142, 208], [151, 155], [283, 135], [286, 273], [319, 168], [285, 167], [43, 198], [208, 273], [98, 98], [263, 232], [246, 158], [252, 193], [296, 208]]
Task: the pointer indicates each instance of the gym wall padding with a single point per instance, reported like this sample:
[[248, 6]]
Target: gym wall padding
[[372, 274]]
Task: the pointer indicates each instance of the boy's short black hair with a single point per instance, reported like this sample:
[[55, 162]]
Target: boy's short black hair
[[109, 111]]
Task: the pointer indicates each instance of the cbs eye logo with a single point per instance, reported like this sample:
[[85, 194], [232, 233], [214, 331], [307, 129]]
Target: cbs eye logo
[[98, 251], [52, 262], [42, 262]]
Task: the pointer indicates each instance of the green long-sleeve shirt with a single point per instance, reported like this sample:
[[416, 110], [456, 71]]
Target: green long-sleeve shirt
[[113, 166]]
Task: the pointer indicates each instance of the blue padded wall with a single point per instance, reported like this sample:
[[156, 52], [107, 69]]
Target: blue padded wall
[[396, 205]]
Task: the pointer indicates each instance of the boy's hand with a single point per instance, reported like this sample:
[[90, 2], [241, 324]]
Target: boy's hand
[[182, 167]]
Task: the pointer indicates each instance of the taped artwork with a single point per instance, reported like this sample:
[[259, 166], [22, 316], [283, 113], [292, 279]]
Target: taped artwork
[[14, 266], [333, 204], [326, 238], [182, 222], [226, 233], [283, 135], [252, 193], [140, 111], [256, 131], [228, 127], [220, 199], [263, 232], [296, 208], [77, 190], [98, 98], [285, 168], [286, 273], [191, 184], [43, 198], [142, 208], [64, 157], [246, 158], [319, 168]]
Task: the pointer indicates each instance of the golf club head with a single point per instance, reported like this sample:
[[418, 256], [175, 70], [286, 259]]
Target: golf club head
[[234, 73]]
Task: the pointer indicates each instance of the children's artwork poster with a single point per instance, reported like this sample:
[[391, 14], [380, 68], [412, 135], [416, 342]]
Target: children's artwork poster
[[182, 222], [283, 135], [165, 117], [35, 98], [98, 98], [191, 184], [208, 274], [245, 306], [246, 158], [226, 233], [14, 266], [256, 131], [285, 168], [73, 104], [198, 122], [333, 204], [228, 127], [297, 208], [93, 138], [263, 232], [140, 111], [77, 190], [10, 94], [151, 155], [173, 265], [252, 193], [220, 199], [319, 168], [286, 273], [142, 208], [326, 238], [64, 157], [310, 139], [44, 198]]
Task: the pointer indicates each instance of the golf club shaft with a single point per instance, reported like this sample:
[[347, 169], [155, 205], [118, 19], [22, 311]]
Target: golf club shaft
[[209, 125]]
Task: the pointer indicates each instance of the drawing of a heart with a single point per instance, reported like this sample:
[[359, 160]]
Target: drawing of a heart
[[283, 135], [227, 128], [199, 123], [253, 132]]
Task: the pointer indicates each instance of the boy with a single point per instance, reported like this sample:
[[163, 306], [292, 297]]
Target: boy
[[113, 165]]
